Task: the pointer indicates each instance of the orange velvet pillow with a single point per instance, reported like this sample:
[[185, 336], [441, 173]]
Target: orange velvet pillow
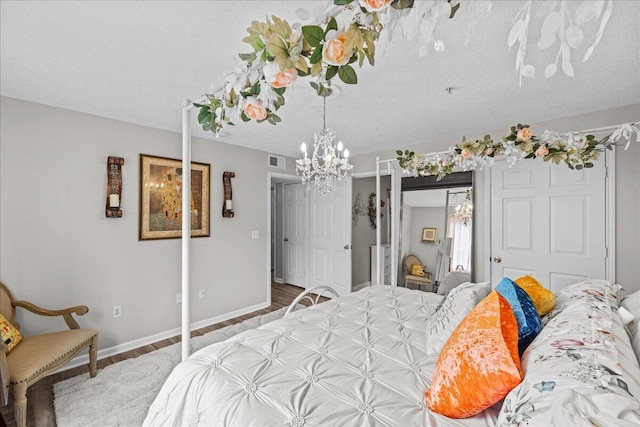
[[543, 299], [479, 364]]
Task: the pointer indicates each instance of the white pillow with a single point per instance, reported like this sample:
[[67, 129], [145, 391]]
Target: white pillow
[[632, 303], [451, 280], [453, 309]]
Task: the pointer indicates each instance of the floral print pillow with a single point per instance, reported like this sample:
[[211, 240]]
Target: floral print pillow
[[580, 370]]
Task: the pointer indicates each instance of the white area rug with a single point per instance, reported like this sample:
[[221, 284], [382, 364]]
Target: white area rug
[[120, 395]]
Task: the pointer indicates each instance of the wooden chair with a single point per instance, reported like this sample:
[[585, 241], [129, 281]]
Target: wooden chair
[[40, 355], [425, 280]]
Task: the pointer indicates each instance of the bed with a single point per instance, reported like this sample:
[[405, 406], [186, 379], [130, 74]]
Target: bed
[[368, 358]]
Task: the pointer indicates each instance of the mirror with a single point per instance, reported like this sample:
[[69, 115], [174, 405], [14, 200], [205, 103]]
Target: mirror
[[436, 227]]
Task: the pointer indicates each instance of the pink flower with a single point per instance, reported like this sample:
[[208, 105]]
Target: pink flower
[[524, 134], [488, 151], [567, 342], [466, 153], [374, 5], [542, 151], [333, 51], [278, 78], [253, 109]]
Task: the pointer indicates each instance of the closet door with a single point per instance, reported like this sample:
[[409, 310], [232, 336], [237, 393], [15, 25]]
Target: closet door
[[548, 221]]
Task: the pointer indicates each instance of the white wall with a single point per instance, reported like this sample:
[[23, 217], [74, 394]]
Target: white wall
[[627, 187], [57, 248]]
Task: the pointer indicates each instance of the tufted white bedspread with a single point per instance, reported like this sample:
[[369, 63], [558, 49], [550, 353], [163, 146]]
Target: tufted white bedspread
[[359, 360]]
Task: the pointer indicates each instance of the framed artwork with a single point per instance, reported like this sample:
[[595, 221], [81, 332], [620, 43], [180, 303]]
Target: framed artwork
[[161, 198], [429, 234]]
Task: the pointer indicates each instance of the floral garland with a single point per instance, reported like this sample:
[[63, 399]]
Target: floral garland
[[346, 34], [576, 150]]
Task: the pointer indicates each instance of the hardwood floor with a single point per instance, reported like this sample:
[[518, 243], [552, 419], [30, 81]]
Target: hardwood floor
[[40, 411]]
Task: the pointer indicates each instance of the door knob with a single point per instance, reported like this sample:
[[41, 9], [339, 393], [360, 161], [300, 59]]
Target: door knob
[[286, 240], [347, 246], [497, 259]]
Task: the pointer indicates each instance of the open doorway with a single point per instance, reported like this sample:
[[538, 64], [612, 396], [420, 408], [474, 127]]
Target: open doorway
[[364, 229], [280, 245]]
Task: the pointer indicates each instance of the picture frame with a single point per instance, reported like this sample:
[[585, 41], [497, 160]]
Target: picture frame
[[161, 198], [429, 234]]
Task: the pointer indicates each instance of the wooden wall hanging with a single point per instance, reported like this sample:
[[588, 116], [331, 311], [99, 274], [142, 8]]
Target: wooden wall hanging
[[227, 205], [114, 187]]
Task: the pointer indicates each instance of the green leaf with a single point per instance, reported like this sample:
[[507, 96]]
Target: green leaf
[[255, 89], [401, 4], [347, 74], [244, 117], [342, 2], [454, 9], [332, 25], [313, 34], [248, 57], [332, 70], [314, 85], [316, 56], [280, 90], [204, 115], [303, 73], [588, 165], [399, 152], [276, 118]]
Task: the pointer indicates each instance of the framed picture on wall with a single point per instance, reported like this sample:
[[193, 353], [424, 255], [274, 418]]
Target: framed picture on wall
[[161, 198], [429, 234]]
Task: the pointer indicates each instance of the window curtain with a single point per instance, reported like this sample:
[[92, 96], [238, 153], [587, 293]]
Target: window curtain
[[460, 235]]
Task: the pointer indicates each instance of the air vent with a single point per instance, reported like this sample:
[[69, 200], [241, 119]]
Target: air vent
[[277, 161]]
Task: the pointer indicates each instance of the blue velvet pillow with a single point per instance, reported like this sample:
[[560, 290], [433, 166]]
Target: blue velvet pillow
[[529, 324]]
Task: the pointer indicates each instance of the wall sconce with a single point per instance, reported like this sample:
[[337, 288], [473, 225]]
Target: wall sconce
[[114, 187], [227, 205]]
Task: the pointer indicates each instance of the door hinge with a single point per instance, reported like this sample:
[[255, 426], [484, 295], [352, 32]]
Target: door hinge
[[606, 252]]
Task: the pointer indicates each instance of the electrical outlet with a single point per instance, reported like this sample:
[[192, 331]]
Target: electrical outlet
[[255, 234], [201, 294], [117, 311], [179, 298]]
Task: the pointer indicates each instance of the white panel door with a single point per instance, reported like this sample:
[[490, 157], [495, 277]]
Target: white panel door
[[295, 235], [330, 239], [548, 221]]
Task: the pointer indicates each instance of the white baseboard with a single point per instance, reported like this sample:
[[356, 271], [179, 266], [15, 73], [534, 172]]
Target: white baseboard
[[140, 342], [360, 286], [278, 280]]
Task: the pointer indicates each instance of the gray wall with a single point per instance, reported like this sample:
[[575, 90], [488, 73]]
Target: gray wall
[[57, 249], [362, 235], [627, 221]]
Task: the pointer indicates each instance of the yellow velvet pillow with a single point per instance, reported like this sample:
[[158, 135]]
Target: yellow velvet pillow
[[543, 299], [417, 270], [479, 364], [10, 335]]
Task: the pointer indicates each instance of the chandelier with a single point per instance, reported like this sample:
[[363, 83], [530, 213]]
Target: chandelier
[[329, 163], [464, 211]]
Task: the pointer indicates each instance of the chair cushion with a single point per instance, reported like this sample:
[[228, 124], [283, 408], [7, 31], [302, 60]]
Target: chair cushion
[[417, 279], [417, 270], [10, 335], [39, 353]]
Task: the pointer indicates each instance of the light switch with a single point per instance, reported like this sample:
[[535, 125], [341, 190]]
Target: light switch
[[255, 234]]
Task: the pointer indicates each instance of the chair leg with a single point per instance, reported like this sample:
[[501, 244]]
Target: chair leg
[[20, 404], [93, 357]]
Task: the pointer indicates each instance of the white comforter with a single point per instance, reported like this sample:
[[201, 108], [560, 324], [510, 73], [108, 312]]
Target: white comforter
[[359, 360]]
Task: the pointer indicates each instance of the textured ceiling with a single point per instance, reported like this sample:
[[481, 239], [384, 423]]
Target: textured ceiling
[[136, 61]]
